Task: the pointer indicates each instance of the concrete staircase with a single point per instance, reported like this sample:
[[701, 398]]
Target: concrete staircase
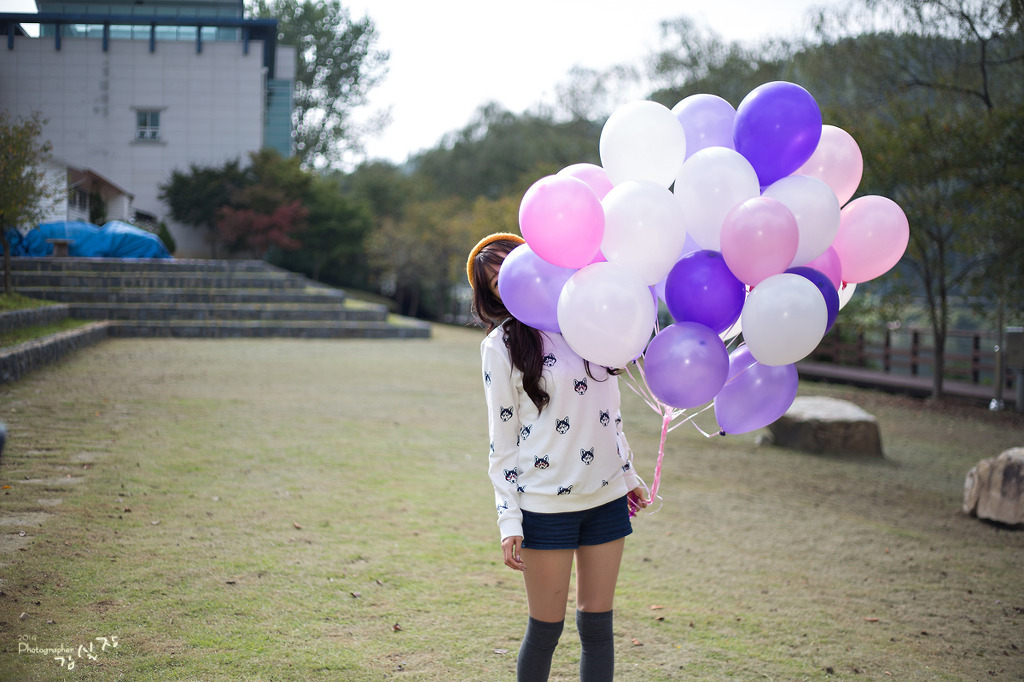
[[190, 299]]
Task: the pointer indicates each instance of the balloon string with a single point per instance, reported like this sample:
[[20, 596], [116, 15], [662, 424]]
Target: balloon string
[[668, 415], [636, 386], [666, 419], [691, 418]]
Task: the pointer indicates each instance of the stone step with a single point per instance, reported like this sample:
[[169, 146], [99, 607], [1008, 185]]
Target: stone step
[[158, 295], [163, 280], [195, 312], [204, 299], [110, 265], [255, 329]]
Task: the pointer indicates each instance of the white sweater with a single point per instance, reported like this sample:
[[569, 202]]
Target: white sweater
[[570, 457]]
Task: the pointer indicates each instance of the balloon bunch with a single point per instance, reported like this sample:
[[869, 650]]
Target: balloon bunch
[[740, 220]]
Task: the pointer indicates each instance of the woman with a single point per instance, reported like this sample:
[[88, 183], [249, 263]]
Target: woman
[[561, 470]]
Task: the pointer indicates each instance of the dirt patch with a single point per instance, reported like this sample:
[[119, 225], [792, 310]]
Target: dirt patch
[[23, 519]]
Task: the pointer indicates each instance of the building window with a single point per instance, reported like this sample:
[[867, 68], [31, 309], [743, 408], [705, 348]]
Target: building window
[[78, 199], [147, 125]]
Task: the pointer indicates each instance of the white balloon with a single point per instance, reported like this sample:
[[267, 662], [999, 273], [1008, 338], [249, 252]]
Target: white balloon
[[783, 319], [816, 209], [642, 140], [607, 314], [733, 331], [708, 186], [643, 229], [846, 292]]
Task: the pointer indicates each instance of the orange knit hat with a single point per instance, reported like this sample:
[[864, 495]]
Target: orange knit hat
[[484, 243]]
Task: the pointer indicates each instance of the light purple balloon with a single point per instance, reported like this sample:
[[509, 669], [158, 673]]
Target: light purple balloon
[[777, 129], [686, 365], [707, 121], [529, 287], [754, 395]]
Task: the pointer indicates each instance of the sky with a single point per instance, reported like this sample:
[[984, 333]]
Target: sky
[[448, 57]]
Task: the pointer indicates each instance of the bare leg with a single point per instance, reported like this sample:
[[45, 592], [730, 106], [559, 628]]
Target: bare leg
[[547, 582], [547, 591], [597, 571]]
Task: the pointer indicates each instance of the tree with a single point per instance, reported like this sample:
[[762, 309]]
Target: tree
[[268, 207], [591, 95], [25, 196], [338, 65], [692, 59], [258, 231], [942, 149], [196, 197], [966, 51], [492, 155], [332, 241], [421, 257]]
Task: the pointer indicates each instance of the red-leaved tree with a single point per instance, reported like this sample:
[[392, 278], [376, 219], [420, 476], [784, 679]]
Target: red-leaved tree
[[257, 232]]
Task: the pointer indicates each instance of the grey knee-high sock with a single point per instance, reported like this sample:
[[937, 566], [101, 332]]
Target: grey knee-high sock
[[597, 660], [539, 642]]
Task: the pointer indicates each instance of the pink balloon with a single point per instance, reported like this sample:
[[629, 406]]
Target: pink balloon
[[836, 161], [759, 239], [828, 263], [873, 235], [562, 220], [595, 177]]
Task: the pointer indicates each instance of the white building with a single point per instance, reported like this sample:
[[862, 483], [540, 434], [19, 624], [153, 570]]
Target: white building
[[136, 89], [88, 194]]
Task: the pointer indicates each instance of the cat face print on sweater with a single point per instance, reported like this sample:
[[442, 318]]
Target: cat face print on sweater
[[580, 385], [562, 425]]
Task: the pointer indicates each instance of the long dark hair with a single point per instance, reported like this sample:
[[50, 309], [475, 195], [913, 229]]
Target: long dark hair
[[524, 343]]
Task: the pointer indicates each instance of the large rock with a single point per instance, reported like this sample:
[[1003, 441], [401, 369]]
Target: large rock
[[994, 489], [827, 426]]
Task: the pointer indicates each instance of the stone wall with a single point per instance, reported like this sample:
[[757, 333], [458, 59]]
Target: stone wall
[[18, 360], [16, 319]]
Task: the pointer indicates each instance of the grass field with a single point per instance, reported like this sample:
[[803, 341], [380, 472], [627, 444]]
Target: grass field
[[319, 510]]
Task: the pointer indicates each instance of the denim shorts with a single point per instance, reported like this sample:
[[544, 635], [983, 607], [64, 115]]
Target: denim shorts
[[569, 530]]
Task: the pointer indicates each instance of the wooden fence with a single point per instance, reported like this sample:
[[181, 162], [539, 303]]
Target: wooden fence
[[970, 356]]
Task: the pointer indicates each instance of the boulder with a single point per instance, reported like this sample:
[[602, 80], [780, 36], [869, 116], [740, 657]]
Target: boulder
[[994, 489], [827, 426]]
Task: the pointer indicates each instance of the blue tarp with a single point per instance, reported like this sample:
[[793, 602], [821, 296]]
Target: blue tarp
[[116, 239]]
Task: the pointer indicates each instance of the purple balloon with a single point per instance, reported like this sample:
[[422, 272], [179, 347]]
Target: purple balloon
[[824, 284], [754, 395], [707, 121], [529, 287], [777, 129], [701, 288], [685, 365]]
